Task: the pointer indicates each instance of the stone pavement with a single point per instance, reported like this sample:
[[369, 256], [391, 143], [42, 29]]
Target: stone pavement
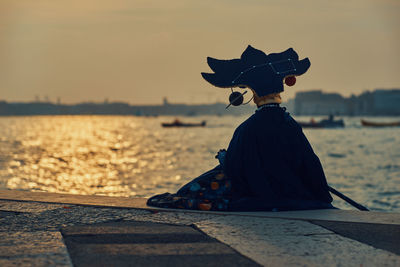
[[133, 243], [56, 234], [383, 236]]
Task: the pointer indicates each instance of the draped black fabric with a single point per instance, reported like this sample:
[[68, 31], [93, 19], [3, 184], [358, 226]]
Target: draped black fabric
[[272, 165], [269, 166]]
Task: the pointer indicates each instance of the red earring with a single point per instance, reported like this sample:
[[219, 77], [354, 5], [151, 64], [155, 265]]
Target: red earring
[[290, 80]]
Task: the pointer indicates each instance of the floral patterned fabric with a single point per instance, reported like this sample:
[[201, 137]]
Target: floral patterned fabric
[[210, 191]]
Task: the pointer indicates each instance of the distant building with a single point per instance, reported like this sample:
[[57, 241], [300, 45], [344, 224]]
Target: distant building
[[165, 101], [318, 103], [386, 102], [378, 102], [363, 104]]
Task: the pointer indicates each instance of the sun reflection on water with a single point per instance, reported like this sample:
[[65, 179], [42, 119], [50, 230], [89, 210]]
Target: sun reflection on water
[[135, 156], [103, 155]]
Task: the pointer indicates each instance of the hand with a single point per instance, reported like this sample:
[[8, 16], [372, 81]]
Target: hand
[[221, 153], [221, 156]]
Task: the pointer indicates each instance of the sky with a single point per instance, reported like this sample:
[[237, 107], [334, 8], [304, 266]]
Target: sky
[[141, 51]]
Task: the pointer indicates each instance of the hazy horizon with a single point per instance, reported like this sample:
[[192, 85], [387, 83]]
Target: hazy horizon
[[141, 51], [171, 101]]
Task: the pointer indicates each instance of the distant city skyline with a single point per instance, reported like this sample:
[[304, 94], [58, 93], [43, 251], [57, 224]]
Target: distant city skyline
[[163, 100], [141, 51], [377, 102]]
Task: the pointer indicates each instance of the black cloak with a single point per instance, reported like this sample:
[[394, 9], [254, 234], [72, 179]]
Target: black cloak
[[272, 165]]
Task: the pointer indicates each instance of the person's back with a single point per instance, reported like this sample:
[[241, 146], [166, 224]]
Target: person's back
[[272, 165]]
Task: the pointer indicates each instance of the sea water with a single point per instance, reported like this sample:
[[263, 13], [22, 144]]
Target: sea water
[[136, 157]]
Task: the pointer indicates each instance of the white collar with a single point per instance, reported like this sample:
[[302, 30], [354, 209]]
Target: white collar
[[269, 105]]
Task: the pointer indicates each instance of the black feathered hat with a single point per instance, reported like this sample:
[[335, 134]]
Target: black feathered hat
[[256, 70]]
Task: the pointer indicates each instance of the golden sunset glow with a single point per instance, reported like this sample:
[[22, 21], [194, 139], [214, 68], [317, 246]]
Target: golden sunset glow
[[103, 155], [139, 51]]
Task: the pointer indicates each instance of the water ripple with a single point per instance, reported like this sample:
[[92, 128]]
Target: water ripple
[[135, 156]]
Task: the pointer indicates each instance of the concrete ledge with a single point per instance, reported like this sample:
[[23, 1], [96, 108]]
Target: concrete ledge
[[140, 203], [85, 200], [30, 224]]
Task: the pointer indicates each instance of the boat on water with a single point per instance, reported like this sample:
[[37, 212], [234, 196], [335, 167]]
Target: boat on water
[[379, 124], [178, 123], [326, 123]]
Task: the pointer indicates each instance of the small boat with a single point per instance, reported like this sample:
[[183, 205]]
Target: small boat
[[178, 123], [379, 124], [327, 123]]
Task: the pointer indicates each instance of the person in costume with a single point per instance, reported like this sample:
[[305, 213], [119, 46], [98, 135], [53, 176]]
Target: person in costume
[[269, 164]]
